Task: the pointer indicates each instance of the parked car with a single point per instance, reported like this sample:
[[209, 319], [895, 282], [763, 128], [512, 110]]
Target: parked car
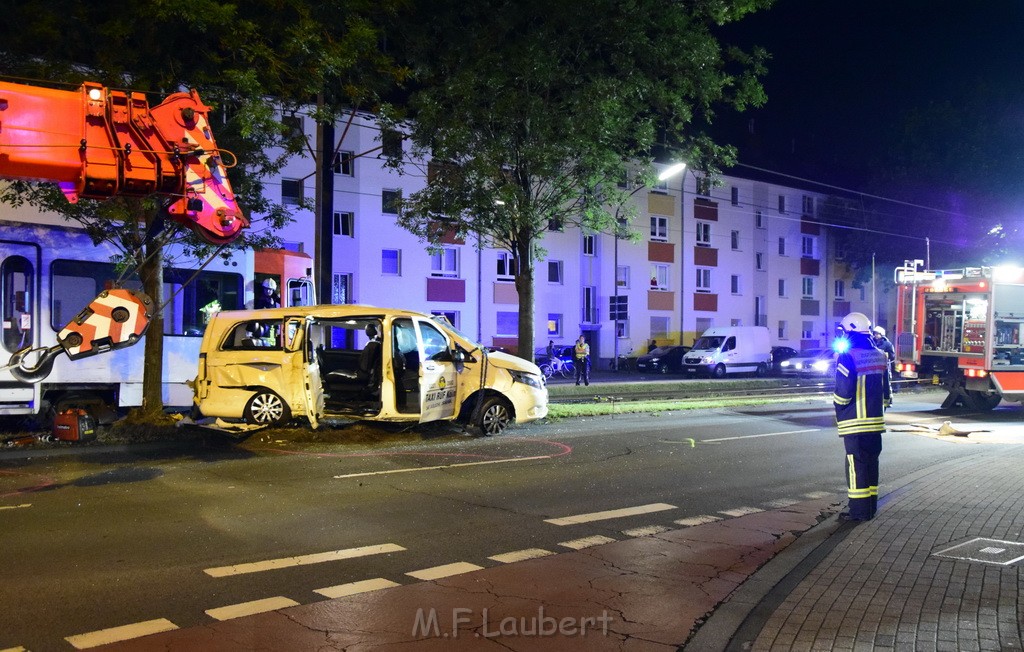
[[813, 362], [662, 360], [540, 356], [779, 355]]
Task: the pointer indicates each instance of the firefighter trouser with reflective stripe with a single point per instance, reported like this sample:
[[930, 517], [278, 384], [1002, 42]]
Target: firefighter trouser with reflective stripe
[[862, 453]]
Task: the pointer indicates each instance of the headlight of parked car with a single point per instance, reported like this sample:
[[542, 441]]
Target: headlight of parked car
[[527, 379], [821, 365]]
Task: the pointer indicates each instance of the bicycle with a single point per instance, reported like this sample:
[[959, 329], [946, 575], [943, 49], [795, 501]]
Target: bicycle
[[557, 365]]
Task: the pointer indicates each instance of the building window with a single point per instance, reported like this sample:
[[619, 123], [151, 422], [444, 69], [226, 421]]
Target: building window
[[782, 246], [703, 234], [341, 289], [863, 293], [782, 330], [759, 261], [782, 287], [703, 279], [589, 245], [555, 224], [782, 204], [735, 240], [345, 164], [291, 192], [445, 263], [807, 246], [704, 186], [391, 144], [660, 186], [554, 324], [622, 276], [293, 126], [760, 315], [555, 271], [807, 331], [759, 219], [659, 228], [734, 283], [807, 285], [344, 223], [390, 201], [659, 328], [451, 315], [590, 304], [704, 323], [735, 321], [840, 288], [391, 262], [622, 329], [508, 324], [659, 276], [735, 196], [507, 266], [808, 205]]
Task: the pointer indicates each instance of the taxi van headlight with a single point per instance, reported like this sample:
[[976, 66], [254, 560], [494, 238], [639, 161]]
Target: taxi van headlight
[[527, 379]]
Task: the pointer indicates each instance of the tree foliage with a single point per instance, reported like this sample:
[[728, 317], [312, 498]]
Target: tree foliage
[[533, 112]]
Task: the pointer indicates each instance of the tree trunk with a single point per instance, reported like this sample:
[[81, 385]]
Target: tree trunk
[[152, 273], [524, 288]]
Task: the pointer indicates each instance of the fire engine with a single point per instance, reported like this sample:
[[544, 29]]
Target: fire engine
[[964, 329], [97, 143]]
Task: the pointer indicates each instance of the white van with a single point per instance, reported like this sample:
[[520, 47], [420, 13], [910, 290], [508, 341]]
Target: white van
[[266, 366], [730, 349]]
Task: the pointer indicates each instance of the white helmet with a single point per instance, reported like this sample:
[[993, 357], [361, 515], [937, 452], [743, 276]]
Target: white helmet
[[878, 330], [856, 322], [270, 284]]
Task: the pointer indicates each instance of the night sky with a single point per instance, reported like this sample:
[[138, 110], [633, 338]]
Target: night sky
[[844, 75]]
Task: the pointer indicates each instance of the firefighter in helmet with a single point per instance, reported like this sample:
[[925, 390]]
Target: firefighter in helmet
[[883, 344], [861, 396]]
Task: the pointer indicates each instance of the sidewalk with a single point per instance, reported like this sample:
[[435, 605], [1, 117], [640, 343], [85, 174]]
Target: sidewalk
[[775, 580]]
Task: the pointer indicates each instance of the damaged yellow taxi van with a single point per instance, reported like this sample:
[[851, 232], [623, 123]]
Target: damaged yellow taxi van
[[263, 367]]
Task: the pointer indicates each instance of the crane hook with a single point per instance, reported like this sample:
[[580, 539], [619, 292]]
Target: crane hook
[[31, 372]]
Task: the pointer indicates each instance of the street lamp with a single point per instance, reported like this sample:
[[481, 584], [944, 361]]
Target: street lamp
[[670, 171]]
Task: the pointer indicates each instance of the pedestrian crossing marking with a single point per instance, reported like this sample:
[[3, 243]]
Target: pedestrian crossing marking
[[250, 608], [646, 530], [122, 633], [697, 520], [352, 588], [521, 555], [815, 495], [446, 570], [610, 514], [302, 560], [781, 502], [587, 542], [741, 511]]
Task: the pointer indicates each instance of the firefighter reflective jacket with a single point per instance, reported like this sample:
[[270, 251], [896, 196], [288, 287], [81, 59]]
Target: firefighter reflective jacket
[[862, 388]]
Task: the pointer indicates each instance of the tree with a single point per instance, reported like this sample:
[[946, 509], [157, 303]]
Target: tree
[[532, 112], [237, 55]]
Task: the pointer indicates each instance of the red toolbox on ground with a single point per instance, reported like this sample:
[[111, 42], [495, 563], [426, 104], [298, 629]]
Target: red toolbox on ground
[[74, 425]]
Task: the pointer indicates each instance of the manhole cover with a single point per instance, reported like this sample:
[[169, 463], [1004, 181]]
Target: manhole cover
[[988, 551]]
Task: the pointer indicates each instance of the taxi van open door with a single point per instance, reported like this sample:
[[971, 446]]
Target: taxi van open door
[[297, 345], [438, 379]]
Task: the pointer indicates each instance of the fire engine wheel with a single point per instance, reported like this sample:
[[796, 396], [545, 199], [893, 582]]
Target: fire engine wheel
[[983, 401], [266, 408], [495, 415], [720, 371]]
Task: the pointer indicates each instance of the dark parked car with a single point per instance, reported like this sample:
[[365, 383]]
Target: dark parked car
[[662, 360], [540, 356], [780, 354], [814, 362]]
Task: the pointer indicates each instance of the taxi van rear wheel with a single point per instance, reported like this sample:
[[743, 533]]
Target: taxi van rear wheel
[[266, 408], [495, 415]]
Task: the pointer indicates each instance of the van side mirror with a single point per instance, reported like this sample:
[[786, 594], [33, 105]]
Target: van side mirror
[[459, 358]]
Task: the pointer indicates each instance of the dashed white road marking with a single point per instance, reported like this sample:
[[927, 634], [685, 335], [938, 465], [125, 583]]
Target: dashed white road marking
[[587, 542], [740, 511], [302, 560], [781, 502], [646, 530], [766, 434], [612, 513], [814, 495], [697, 520], [14, 649], [352, 588], [447, 570], [443, 466], [22, 506], [122, 633], [521, 555], [250, 608]]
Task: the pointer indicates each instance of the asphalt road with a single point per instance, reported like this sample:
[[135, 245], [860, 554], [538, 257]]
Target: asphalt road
[[114, 537]]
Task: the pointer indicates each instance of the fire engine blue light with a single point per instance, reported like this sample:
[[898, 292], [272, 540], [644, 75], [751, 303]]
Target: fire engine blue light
[[841, 345]]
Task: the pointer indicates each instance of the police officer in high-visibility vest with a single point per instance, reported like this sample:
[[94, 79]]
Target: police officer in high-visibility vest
[[861, 396], [581, 358]]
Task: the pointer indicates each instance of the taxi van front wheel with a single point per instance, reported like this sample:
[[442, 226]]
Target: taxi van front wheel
[[495, 415], [266, 408]]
